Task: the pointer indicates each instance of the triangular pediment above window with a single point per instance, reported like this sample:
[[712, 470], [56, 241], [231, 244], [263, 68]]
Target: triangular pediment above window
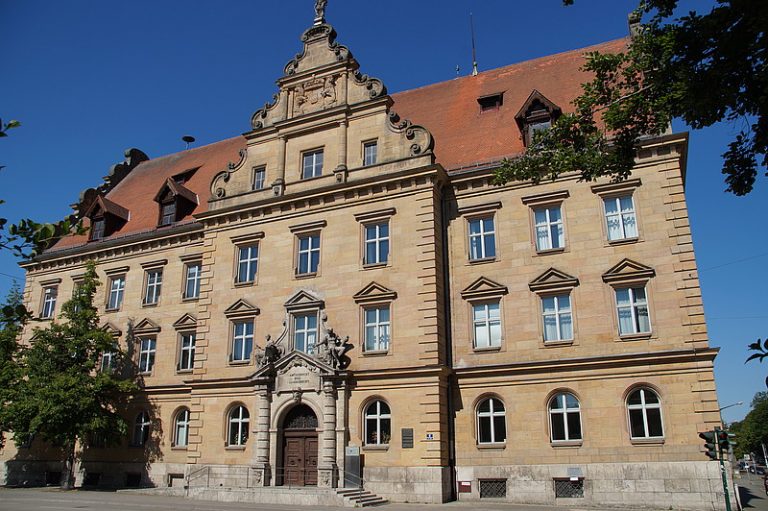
[[536, 102], [241, 308], [187, 321], [103, 206], [627, 269], [553, 279], [172, 189], [145, 326], [374, 292], [111, 329], [482, 288], [304, 299]]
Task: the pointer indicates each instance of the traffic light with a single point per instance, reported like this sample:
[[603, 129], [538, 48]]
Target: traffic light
[[724, 440], [710, 443]]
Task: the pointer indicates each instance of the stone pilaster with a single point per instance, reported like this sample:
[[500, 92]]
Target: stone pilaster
[[327, 471], [260, 464]]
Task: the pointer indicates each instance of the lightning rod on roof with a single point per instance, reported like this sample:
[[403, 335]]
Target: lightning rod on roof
[[474, 55], [188, 139]]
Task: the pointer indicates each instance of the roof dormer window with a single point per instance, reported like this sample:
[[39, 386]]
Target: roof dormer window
[[537, 114], [106, 217], [491, 101], [176, 200], [168, 212], [97, 228]]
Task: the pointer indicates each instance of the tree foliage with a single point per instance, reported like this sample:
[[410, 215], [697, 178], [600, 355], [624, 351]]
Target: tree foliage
[[13, 315], [760, 349], [752, 432], [61, 396], [702, 69]]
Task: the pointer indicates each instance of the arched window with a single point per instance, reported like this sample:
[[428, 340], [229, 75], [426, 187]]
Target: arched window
[[141, 429], [644, 409], [491, 422], [564, 418], [378, 423], [181, 428], [238, 426]]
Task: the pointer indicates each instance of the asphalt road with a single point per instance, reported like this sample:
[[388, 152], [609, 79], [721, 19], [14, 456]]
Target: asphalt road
[[752, 492]]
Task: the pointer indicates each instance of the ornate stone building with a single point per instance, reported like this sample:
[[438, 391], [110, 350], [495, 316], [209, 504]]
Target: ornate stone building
[[344, 277]]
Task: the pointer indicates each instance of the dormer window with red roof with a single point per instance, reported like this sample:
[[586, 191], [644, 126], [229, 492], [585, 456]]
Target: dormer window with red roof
[[491, 101], [176, 200], [106, 217], [537, 114]]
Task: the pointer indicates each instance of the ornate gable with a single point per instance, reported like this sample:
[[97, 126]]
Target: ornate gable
[[241, 308], [483, 288], [374, 292], [552, 280], [187, 321], [145, 326], [627, 270]]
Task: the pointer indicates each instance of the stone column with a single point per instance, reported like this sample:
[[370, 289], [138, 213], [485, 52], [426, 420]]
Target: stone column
[[327, 471], [341, 169], [260, 463], [278, 185]]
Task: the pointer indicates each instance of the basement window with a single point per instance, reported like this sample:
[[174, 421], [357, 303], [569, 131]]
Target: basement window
[[491, 101], [572, 488]]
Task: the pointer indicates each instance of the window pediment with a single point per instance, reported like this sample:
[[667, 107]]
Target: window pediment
[[483, 288], [186, 322], [628, 270], [552, 280], [111, 329], [241, 308], [374, 292], [304, 300], [172, 190], [537, 109], [146, 326]]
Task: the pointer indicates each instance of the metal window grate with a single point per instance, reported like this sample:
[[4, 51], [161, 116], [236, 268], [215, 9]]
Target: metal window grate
[[493, 488], [565, 488]]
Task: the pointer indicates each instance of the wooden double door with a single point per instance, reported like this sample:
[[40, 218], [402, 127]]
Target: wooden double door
[[300, 457]]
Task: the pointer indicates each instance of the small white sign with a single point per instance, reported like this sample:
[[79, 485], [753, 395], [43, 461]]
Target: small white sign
[[430, 436]]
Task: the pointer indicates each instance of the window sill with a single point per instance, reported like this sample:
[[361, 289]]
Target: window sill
[[482, 261], [305, 275], [145, 373], [635, 337], [549, 251], [491, 349], [647, 441], [371, 266], [558, 344], [145, 305], [183, 371], [192, 299], [178, 447], [381, 447], [234, 448], [247, 283], [112, 310], [566, 443], [494, 446], [239, 362], [376, 353], [623, 241]]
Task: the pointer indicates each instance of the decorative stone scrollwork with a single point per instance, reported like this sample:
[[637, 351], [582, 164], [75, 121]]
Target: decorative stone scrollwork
[[374, 86], [257, 119], [217, 190], [315, 94], [423, 141]]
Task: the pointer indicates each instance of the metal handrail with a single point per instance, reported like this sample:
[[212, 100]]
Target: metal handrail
[[197, 474]]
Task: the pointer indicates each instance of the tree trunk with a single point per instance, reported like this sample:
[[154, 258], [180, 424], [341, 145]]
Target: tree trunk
[[68, 470]]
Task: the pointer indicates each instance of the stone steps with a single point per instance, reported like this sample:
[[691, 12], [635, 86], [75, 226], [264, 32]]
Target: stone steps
[[360, 497]]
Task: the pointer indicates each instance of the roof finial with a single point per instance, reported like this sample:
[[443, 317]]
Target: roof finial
[[474, 56], [320, 11]]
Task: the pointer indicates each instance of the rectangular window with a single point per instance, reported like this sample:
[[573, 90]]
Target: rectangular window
[[242, 341], [482, 239], [549, 228], [305, 332], [192, 280], [632, 309], [97, 229], [148, 346], [247, 263], [154, 283], [620, 217], [308, 254], [486, 319], [49, 301], [168, 213], [259, 177], [370, 153], [108, 361], [116, 291], [312, 164], [377, 328], [376, 243], [187, 351], [556, 312]]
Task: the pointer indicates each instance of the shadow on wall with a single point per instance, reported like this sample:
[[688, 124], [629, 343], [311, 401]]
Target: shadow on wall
[[122, 461]]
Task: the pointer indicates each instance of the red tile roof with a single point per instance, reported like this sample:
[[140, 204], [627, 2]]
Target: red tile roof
[[464, 136]]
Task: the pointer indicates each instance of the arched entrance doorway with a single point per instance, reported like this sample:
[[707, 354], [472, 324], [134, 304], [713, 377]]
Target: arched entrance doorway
[[299, 447]]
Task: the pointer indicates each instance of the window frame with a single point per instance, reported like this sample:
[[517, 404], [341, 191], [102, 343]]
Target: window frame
[[151, 354], [490, 415], [251, 262], [315, 173], [379, 419], [481, 218], [50, 294], [378, 218], [563, 413], [549, 224], [378, 324], [234, 338], [259, 177], [377, 242], [487, 324], [95, 233], [633, 306], [643, 406], [616, 191], [196, 279], [168, 212], [142, 426], [152, 287], [480, 211], [556, 297], [119, 292], [306, 313], [181, 418], [190, 351], [243, 425], [374, 143]]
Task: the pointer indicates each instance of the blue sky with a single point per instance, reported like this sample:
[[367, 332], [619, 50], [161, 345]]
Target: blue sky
[[90, 78]]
